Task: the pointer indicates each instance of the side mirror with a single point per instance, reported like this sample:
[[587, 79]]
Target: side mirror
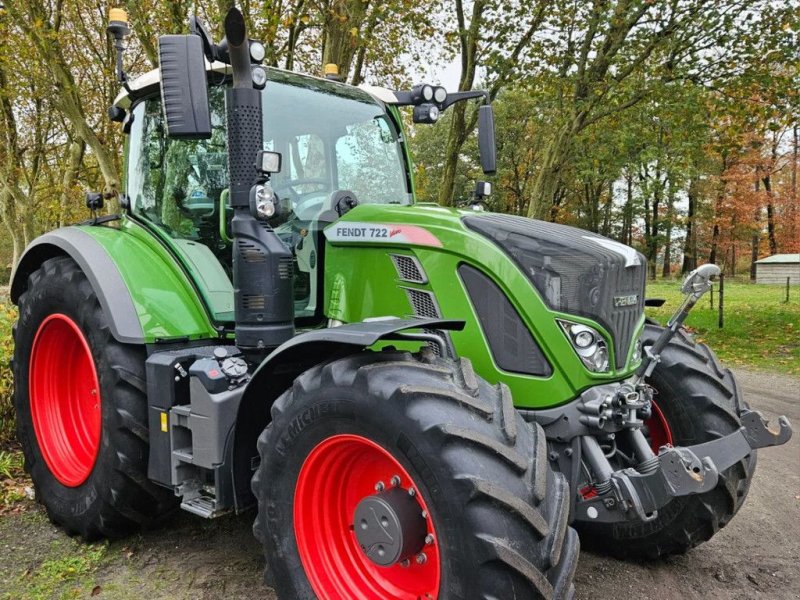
[[699, 280], [486, 141], [184, 86]]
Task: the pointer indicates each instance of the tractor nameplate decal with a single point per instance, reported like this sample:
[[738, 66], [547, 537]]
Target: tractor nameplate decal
[[631, 300], [359, 233]]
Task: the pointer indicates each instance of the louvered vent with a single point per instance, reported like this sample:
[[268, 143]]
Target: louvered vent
[[423, 303], [251, 253], [254, 302], [286, 267], [409, 269]]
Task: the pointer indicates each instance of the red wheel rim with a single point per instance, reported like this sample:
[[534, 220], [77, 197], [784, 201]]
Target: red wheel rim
[[658, 429], [65, 400], [338, 473]]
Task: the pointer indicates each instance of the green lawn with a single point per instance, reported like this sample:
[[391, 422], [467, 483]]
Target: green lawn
[[761, 331]]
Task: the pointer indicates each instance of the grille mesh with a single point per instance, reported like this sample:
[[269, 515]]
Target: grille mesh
[[409, 269], [423, 303]]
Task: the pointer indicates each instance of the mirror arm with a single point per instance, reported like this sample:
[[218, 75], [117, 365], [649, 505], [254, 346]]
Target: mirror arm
[[210, 49], [461, 96]]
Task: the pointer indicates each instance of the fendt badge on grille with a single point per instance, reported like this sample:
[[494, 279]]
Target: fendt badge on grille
[[631, 300]]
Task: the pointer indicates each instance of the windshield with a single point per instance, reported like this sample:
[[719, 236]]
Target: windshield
[[332, 138]]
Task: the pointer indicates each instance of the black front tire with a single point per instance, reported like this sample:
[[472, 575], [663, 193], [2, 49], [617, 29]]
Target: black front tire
[[499, 510], [116, 498], [700, 402]]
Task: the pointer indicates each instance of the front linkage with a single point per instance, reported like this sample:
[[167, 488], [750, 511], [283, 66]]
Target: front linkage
[[605, 412]]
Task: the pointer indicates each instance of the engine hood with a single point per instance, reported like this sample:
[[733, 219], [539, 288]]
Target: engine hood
[[575, 271]]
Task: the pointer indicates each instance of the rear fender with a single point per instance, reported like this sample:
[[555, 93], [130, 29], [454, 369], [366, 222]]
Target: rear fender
[[277, 372], [142, 288], [99, 269]]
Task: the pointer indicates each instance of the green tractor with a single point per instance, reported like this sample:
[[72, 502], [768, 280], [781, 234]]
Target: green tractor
[[421, 402]]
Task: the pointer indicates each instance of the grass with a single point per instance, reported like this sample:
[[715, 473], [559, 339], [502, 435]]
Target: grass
[[62, 567], [761, 331]]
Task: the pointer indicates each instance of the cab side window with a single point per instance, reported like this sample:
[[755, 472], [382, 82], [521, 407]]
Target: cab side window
[[177, 184]]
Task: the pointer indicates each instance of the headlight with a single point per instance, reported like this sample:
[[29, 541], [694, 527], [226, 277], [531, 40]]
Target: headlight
[[588, 344], [637, 351]]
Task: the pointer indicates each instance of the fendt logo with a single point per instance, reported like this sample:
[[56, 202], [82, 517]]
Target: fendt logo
[[620, 301]]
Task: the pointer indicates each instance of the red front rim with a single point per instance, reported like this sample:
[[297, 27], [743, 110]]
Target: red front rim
[[65, 400], [658, 429], [337, 474]]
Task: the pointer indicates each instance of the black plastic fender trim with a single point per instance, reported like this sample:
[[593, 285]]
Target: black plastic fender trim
[[103, 275], [277, 371]]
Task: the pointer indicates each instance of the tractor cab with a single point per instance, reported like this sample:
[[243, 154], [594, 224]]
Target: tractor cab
[[340, 146]]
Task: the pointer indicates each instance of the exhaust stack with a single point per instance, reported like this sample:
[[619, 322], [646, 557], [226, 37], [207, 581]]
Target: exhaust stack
[[263, 266]]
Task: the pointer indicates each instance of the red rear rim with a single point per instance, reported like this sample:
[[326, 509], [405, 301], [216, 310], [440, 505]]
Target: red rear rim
[[65, 400], [658, 429], [338, 474]]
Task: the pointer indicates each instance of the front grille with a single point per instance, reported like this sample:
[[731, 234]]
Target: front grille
[[575, 271]]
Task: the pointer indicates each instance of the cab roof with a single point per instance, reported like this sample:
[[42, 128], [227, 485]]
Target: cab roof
[[150, 81]]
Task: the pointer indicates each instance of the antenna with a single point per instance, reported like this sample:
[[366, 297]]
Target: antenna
[[119, 30]]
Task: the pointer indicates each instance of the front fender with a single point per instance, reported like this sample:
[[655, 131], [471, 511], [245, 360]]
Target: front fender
[[277, 372]]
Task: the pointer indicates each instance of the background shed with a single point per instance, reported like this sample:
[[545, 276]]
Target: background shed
[[776, 268]]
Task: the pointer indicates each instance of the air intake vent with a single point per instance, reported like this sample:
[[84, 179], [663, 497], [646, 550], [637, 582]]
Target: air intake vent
[[251, 253], [285, 267], [254, 302], [409, 269], [423, 303]]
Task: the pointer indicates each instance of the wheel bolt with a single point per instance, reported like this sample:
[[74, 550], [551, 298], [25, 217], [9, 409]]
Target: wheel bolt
[[395, 480], [412, 492], [421, 558], [424, 514], [379, 486], [429, 539], [405, 563]]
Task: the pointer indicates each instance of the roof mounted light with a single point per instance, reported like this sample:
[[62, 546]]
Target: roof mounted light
[[257, 51], [426, 113], [422, 93]]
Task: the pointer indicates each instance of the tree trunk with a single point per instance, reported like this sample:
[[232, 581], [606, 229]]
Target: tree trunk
[[548, 180], [469, 36], [690, 243], [754, 242], [74, 160], [666, 270], [773, 242], [627, 216]]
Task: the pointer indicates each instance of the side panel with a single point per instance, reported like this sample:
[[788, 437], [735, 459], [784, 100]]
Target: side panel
[[139, 284]]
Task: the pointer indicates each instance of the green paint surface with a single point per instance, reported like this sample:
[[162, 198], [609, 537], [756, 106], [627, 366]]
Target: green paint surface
[[166, 302]]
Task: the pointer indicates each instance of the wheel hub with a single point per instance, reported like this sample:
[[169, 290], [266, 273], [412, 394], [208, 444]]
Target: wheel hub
[[389, 526]]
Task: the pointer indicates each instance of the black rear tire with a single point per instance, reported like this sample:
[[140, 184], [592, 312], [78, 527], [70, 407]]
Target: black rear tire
[[700, 402], [499, 510], [116, 497]]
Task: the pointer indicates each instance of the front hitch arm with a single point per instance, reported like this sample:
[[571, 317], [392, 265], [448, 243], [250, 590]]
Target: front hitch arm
[[681, 471]]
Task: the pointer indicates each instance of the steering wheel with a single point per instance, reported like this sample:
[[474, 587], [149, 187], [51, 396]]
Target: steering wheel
[[298, 203], [292, 183]]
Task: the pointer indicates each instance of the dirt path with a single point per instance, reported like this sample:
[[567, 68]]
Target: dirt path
[[757, 556]]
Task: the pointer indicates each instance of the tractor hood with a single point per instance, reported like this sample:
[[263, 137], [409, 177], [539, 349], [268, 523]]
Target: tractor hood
[[575, 271]]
